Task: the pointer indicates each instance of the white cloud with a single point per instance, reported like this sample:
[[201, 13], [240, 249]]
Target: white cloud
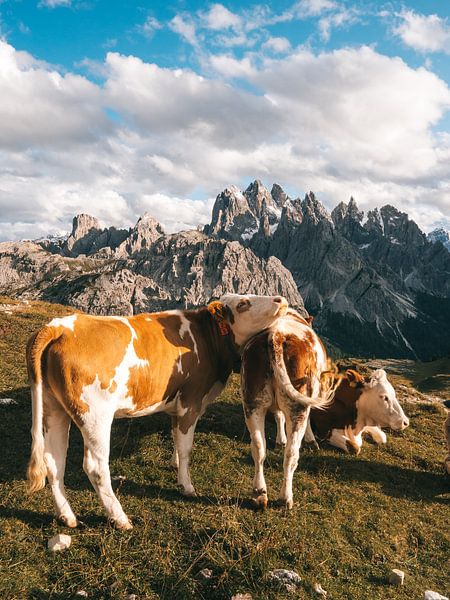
[[334, 21], [54, 3], [219, 17], [425, 33], [185, 27], [149, 27], [279, 45], [228, 66], [313, 8], [352, 121]]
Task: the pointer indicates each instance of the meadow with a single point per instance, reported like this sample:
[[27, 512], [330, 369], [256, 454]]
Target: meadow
[[354, 519]]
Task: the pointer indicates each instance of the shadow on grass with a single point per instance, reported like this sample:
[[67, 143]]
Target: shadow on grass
[[395, 481]]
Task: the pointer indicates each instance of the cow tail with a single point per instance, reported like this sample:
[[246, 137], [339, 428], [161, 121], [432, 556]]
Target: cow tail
[[284, 381], [37, 470]]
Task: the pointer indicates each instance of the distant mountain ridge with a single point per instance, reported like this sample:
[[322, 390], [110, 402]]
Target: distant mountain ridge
[[376, 286]]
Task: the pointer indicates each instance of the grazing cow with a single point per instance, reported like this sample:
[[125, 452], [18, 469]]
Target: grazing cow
[[358, 406], [91, 369], [282, 371]]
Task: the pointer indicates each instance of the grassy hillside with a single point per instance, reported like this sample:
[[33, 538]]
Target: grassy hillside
[[354, 519]]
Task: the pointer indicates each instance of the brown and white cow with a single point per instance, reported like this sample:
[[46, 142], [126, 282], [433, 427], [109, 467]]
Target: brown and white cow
[[358, 406], [282, 372], [91, 369]]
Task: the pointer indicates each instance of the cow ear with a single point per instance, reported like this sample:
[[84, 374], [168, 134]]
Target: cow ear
[[216, 308], [377, 377], [354, 378], [309, 320]]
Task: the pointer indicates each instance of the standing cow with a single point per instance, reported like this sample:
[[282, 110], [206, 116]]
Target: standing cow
[[282, 372], [91, 369]]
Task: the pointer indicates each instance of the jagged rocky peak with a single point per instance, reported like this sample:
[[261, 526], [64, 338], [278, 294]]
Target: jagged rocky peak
[[373, 223], [146, 231], [258, 197], [348, 211], [398, 228], [440, 235], [83, 224], [279, 196], [314, 211], [230, 213]]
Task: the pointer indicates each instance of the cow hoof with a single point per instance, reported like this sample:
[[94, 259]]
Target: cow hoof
[[71, 522], [123, 525], [285, 503], [189, 493], [260, 499], [280, 444]]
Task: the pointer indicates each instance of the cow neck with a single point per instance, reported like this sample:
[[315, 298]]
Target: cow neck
[[220, 342]]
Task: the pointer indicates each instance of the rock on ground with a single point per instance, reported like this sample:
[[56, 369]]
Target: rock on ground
[[396, 577], [430, 595], [284, 579], [59, 542]]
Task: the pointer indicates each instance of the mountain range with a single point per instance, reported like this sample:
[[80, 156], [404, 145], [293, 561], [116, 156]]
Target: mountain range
[[376, 285]]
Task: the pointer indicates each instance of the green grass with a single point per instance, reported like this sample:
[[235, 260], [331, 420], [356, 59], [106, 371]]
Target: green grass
[[354, 519]]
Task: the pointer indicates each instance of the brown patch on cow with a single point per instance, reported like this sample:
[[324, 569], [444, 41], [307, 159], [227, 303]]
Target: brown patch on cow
[[300, 360], [77, 358], [256, 370], [341, 412]]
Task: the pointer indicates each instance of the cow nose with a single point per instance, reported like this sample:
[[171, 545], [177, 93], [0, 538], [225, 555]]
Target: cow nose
[[405, 422], [278, 299]]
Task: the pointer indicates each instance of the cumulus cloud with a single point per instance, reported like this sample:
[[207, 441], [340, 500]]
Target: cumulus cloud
[[219, 17], [279, 45], [425, 33], [336, 20], [351, 121], [185, 27]]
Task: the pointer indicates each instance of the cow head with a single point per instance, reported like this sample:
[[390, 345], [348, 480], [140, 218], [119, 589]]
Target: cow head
[[379, 405], [249, 314]]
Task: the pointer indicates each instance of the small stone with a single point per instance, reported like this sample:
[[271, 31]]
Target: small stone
[[396, 577], [59, 542], [319, 589], [284, 579], [242, 597], [430, 595], [7, 401], [205, 574], [82, 593], [131, 597]]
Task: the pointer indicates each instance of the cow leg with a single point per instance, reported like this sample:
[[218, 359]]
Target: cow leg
[[296, 421], [96, 466], [174, 460], [348, 444], [310, 438], [56, 439], [281, 428], [184, 438], [377, 434], [255, 425]]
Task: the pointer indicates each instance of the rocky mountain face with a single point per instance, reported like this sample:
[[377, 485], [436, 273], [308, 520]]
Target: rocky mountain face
[[109, 271], [375, 284]]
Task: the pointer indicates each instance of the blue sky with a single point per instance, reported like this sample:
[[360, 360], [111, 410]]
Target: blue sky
[[117, 108]]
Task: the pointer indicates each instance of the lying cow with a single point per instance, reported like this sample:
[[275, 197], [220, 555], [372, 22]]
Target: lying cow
[[281, 372], [92, 369], [358, 406]]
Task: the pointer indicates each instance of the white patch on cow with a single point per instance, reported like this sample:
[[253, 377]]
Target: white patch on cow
[[94, 395], [186, 328], [179, 363], [68, 322]]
